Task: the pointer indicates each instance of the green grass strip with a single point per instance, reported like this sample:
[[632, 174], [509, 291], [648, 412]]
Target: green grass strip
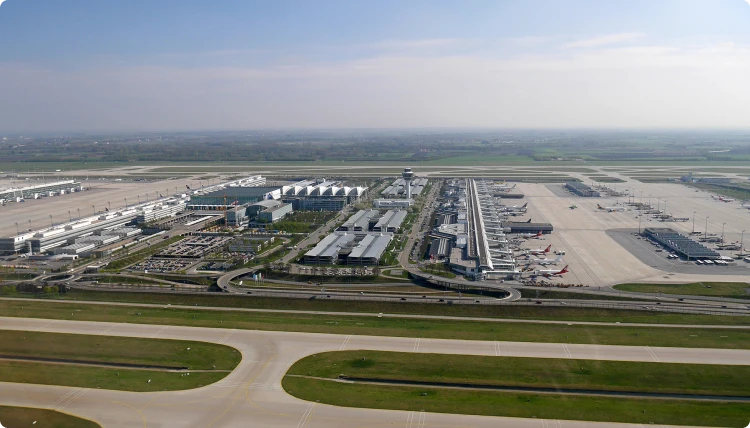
[[521, 405], [119, 350], [25, 416], [386, 326], [665, 378], [485, 311]]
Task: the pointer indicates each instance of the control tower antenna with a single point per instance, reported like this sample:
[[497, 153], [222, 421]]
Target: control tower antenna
[[407, 176]]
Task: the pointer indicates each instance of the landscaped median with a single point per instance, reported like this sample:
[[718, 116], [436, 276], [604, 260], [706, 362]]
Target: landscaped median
[[107, 362], [613, 391], [12, 417]]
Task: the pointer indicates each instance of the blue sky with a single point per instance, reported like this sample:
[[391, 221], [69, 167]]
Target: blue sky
[[166, 64]]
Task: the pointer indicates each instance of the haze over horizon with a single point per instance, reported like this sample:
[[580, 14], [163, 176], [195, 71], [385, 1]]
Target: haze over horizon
[[105, 65]]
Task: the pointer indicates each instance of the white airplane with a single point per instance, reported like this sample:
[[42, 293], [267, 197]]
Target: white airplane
[[530, 235], [515, 207], [552, 272], [611, 209], [539, 251], [546, 261]]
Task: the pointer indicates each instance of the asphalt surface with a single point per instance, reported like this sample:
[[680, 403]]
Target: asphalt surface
[[252, 395]]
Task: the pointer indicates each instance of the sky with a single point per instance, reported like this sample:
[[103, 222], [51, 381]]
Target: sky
[[145, 65]]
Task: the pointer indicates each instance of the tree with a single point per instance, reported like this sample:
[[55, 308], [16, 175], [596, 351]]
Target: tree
[[9, 290]]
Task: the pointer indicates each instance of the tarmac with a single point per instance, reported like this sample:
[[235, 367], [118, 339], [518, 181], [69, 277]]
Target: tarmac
[[102, 193], [252, 395], [595, 258]]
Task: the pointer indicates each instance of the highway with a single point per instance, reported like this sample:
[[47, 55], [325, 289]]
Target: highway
[[252, 395]]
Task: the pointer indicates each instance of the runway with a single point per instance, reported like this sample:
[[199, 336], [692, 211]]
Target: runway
[[252, 395]]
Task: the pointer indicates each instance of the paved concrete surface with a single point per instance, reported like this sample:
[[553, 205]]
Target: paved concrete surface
[[596, 259], [103, 194], [252, 395]]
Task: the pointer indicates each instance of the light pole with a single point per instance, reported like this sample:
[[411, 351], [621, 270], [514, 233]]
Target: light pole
[[126, 203], [29, 224], [742, 242], [665, 206], [70, 219], [639, 223], [693, 223], [109, 205], [93, 208], [705, 235], [79, 213], [658, 205], [18, 233], [50, 221], [722, 232]]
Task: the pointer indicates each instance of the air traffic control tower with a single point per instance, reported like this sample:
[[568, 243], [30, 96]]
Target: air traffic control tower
[[407, 176]]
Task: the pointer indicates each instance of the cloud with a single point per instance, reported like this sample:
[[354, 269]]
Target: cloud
[[1, 3], [609, 86], [605, 40]]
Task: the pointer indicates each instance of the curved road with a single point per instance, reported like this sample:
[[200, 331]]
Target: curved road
[[252, 392]]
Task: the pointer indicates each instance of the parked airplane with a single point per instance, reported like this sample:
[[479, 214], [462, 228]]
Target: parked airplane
[[530, 235], [546, 261], [551, 272], [722, 198], [611, 209], [539, 251]]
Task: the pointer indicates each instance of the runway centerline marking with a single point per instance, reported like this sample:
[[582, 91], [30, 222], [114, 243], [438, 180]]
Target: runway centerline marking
[[416, 345], [497, 348], [143, 418]]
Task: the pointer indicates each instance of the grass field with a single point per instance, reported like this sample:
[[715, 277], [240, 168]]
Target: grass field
[[397, 307], [79, 359], [385, 326], [715, 289], [593, 375], [522, 405], [13, 417]]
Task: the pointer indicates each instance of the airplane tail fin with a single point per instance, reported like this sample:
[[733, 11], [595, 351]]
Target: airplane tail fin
[[546, 250], [528, 221], [599, 206], [565, 269], [524, 205]]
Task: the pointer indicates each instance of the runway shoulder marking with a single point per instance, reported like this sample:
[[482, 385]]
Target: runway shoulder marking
[[416, 345], [44, 326], [653, 355], [567, 350], [346, 342], [227, 336], [103, 333], [68, 398], [160, 331], [416, 421], [306, 416]]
